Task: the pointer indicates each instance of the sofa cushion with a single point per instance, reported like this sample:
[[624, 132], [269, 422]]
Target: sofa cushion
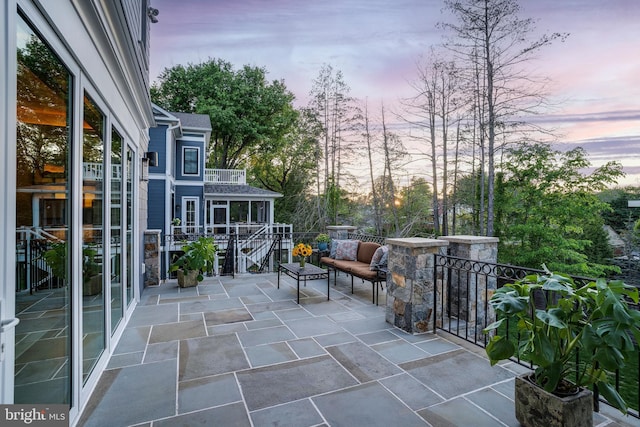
[[347, 250], [327, 260], [366, 251], [379, 258], [344, 265], [364, 272]]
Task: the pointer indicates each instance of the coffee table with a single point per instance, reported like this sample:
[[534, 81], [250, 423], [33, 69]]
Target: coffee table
[[308, 272]]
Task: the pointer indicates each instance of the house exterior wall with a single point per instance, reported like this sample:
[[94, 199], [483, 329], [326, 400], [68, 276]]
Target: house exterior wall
[[157, 202], [103, 46], [157, 143]]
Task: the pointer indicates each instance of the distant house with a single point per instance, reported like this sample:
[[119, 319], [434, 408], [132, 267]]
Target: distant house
[[187, 199]]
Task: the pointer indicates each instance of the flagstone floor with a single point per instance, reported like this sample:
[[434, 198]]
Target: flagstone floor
[[240, 352]]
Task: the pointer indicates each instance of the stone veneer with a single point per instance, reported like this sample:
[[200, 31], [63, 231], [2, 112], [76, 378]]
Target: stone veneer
[[340, 232], [151, 257], [469, 303], [410, 282]]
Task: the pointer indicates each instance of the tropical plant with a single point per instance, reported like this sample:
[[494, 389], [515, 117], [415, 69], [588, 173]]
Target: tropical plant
[[56, 258], [554, 317], [199, 256]]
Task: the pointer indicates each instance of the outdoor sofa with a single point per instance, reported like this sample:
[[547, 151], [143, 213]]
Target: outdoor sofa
[[364, 260]]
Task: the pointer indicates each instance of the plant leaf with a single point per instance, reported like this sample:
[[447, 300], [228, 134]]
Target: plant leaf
[[613, 397], [499, 348], [550, 318]]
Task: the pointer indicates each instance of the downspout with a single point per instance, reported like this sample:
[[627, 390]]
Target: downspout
[[167, 191]]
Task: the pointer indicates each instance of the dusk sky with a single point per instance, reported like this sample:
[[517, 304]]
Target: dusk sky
[[595, 73]]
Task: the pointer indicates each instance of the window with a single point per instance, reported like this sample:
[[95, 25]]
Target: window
[[190, 161], [43, 206]]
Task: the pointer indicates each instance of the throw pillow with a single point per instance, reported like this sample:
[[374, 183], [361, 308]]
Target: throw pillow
[[375, 259], [380, 257], [334, 246], [347, 250]]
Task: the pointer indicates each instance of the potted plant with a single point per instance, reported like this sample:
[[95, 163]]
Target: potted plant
[[56, 258], [323, 240], [546, 320], [198, 257]]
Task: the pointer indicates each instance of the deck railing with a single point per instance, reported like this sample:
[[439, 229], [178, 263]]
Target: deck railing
[[463, 289], [225, 176], [95, 172]]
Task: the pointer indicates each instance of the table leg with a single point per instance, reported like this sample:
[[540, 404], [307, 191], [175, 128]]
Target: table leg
[[298, 283], [328, 286], [278, 277]]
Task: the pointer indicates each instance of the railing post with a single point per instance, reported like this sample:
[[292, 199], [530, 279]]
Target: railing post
[[411, 283], [340, 232], [475, 287], [152, 257]]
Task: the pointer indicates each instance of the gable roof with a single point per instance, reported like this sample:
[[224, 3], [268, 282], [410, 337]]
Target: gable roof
[[193, 121]]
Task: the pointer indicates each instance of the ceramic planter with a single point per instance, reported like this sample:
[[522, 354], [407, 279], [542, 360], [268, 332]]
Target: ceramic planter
[[537, 407]]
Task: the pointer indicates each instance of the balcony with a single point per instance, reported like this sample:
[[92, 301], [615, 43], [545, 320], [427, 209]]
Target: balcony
[[225, 176], [95, 172], [240, 351]]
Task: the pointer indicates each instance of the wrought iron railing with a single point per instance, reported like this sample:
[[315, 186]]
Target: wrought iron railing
[[461, 307], [367, 238], [237, 253]]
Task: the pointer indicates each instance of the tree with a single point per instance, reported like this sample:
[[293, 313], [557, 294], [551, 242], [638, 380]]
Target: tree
[[547, 209], [335, 110], [249, 115], [495, 44], [286, 171], [414, 205]]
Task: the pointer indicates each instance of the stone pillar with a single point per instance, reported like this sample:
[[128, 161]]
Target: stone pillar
[[471, 286], [152, 258], [411, 282], [340, 232]]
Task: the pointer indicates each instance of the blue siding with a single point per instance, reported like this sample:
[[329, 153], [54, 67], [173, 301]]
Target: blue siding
[[157, 142], [156, 204]]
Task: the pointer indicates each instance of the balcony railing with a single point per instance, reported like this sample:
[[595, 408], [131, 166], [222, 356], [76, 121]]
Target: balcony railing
[[95, 172], [226, 176], [461, 308]]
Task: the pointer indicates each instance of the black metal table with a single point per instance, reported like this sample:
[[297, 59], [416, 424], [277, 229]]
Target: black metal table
[[308, 272]]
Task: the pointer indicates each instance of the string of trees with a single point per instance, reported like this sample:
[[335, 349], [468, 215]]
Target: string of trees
[[482, 168]]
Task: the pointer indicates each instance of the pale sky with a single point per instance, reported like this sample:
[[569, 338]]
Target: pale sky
[[595, 73]]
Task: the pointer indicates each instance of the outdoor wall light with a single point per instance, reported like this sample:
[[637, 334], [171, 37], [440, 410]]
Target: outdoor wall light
[[152, 13], [152, 156], [144, 170]]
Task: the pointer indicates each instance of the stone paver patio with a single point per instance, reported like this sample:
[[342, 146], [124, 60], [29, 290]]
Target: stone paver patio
[[240, 352]]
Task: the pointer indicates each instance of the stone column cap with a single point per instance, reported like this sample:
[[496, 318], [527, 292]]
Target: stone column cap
[[152, 231], [341, 227], [470, 239], [417, 242]]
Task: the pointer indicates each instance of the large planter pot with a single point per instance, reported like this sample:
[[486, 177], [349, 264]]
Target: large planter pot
[[93, 286], [187, 280], [537, 407]]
